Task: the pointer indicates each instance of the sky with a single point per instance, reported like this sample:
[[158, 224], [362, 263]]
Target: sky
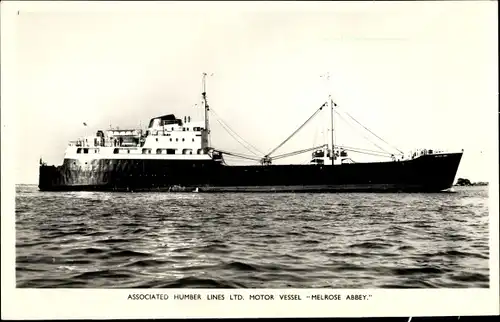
[[419, 75]]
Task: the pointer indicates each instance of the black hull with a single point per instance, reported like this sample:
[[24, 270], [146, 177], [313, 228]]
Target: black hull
[[428, 173]]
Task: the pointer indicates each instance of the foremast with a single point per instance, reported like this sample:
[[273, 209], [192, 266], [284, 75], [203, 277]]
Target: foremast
[[206, 130], [332, 152]]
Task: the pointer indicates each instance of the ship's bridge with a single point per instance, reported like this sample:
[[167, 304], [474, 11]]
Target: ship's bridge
[[171, 135], [170, 123], [168, 119]]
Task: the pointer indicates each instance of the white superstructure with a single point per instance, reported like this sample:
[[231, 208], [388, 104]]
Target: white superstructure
[[165, 138]]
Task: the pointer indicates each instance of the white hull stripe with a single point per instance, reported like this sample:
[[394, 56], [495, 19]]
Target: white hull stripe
[[87, 157]]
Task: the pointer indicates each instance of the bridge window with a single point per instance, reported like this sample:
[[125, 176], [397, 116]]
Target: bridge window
[[170, 151], [85, 150], [144, 151], [158, 151], [182, 139], [176, 140], [198, 151], [187, 151], [79, 150], [115, 151], [192, 139], [170, 139]]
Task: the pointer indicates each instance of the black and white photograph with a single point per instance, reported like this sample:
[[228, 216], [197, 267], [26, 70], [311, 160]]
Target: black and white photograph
[[309, 148]]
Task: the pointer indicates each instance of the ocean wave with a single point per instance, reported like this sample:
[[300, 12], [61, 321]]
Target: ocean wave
[[187, 240]]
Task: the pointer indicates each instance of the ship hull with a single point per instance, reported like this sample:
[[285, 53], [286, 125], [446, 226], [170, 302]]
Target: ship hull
[[428, 173]]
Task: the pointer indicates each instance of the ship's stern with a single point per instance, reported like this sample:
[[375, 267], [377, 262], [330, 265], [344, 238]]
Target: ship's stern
[[48, 177]]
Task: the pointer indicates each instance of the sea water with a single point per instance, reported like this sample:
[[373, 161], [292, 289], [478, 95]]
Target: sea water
[[252, 240]]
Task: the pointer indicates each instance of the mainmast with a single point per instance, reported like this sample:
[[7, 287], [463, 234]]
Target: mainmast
[[332, 104], [205, 105]]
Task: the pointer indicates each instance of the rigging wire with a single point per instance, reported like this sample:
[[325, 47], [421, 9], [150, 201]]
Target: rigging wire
[[297, 130], [235, 136], [236, 139], [240, 160], [363, 150], [315, 135], [361, 134], [372, 132], [227, 127], [379, 154], [239, 155], [289, 154]]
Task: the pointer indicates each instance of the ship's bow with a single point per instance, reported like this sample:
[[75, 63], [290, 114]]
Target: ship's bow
[[439, 170]]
